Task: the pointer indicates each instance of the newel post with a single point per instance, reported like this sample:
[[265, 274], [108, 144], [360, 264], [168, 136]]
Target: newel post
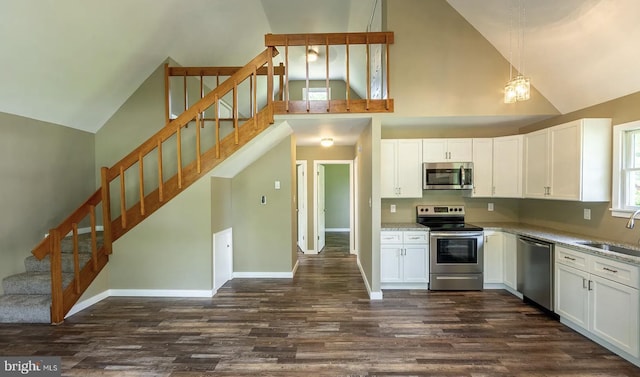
[[55, 257], [106, 211], [270, 77]]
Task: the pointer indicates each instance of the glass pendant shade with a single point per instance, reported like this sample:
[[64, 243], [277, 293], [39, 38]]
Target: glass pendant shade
[[517, 89]]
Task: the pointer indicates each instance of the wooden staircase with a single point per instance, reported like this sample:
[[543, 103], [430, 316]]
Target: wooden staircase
[[135, 187]]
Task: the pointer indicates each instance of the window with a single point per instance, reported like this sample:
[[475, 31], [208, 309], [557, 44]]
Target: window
[[626, 168], [316, 94]]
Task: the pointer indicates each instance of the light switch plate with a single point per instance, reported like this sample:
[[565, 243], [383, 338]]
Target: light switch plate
[[393, 208], [277, 185], [587, 214], [490, 207]]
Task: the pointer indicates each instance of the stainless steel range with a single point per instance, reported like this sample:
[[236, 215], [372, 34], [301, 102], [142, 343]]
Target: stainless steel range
[[455, 248]]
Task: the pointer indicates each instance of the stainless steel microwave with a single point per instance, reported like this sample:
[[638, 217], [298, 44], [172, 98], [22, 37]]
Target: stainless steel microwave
[[447, 175]]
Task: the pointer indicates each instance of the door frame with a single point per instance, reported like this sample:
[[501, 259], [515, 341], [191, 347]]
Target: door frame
[[303, 220], [352, 201]]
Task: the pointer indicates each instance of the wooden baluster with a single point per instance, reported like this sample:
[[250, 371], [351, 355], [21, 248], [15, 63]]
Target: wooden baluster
[[251, 102], [167, 95], [160, 178], [202, 96], [368, 73], [76, 259], [270, 77], [106, 211], [286, 74], [255, 92], [216, 102], [386, 41], [235, 111], [348, 81], [141, 174], [179, 155], [326, 46], [55, 256], [123, 201], [198, 151], [186, 94], [306, 62], [281, 82], [94, 238]]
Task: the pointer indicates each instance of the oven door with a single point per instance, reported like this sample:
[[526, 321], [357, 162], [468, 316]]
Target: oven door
[[456, 252]]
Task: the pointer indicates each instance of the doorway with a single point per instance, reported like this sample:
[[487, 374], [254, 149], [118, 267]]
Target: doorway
[[333, 199], [301, 204]]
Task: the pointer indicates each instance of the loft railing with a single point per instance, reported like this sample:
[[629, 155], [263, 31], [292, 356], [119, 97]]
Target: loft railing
[[183, 84], [361, 60], [139, 190]]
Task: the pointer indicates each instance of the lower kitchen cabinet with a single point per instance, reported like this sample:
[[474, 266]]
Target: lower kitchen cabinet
[[510, 242], [493, 257], [589, 292], [404, 259]]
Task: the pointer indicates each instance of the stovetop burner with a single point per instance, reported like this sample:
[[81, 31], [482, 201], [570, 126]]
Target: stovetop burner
[[444, 218]]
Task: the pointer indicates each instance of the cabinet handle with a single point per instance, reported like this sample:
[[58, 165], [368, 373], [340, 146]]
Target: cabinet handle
[[493, 190], [414, 238], [569, 258], [589, 285], [610, 270], [399, 190], [584, 283]]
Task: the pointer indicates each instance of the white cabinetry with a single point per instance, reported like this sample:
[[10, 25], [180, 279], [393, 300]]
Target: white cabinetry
[[498, 166], [510, 243], [571, 161], [493, 257], [401, 168], [404, 259], [599, 295], [445, 150]]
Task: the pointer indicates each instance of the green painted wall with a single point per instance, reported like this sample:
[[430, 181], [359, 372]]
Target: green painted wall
[[337, 202], [47, 171], [264, 234]]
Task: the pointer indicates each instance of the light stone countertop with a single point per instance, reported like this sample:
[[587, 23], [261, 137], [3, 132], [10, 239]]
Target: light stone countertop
[[403, 227], [565, 239]]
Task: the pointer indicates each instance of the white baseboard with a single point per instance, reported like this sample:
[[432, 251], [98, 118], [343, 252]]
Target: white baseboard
[[337, 230], [372, 295], [309, 252], [82, 305]]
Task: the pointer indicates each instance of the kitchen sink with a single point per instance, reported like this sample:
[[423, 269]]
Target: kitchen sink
[[614, 248]]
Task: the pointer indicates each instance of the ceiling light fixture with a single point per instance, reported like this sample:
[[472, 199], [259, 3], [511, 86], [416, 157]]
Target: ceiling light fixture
[[518, 88], [312, 55], [326, 142]]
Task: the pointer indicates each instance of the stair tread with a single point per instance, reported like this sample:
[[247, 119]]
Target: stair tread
[[32, 283], [32, 264], [25, 309]]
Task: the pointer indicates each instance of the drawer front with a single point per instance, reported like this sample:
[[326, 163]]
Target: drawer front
[[572, 258], [415, 237], [617, 271], [388, 237]]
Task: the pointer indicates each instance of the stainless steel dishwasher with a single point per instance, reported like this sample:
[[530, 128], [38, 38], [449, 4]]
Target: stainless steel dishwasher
[[535, 271]]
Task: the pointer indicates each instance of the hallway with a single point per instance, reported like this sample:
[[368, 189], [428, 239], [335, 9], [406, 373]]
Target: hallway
[[321, 323]]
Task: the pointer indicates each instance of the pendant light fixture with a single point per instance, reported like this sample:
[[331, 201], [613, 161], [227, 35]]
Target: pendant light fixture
[[518, 88]]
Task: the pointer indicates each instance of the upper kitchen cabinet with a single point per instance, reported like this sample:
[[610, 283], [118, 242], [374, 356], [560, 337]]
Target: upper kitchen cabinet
[[497, 167], [447, 150], [571, 161], [401, 168]]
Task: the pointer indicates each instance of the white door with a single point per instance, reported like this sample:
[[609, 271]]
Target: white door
[[510, 246], [434, 150], [507, 165], [564, 165], [222, 258], [301, 203], [493, 257], [409, 168], [572, 295], [320, 208], [414, 264], [460, 150], [391, 263], [388, 165]]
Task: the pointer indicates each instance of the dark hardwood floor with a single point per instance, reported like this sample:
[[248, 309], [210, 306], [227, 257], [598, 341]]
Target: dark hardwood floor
[[321, 323]]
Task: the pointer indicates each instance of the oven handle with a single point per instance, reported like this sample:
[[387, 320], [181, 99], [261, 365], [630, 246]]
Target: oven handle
[[456, 234]]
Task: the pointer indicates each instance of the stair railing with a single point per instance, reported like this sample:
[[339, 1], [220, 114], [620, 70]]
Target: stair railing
[[133, 166]]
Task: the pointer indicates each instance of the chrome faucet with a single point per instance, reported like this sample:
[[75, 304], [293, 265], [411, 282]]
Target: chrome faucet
[[631, 221]]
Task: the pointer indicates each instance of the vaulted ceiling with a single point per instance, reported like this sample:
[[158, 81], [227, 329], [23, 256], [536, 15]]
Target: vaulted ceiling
[[75, 62]]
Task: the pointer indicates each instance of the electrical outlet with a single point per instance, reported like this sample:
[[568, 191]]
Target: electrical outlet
[[263, 199], [490, 207], [587, 214], [393, 208]]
